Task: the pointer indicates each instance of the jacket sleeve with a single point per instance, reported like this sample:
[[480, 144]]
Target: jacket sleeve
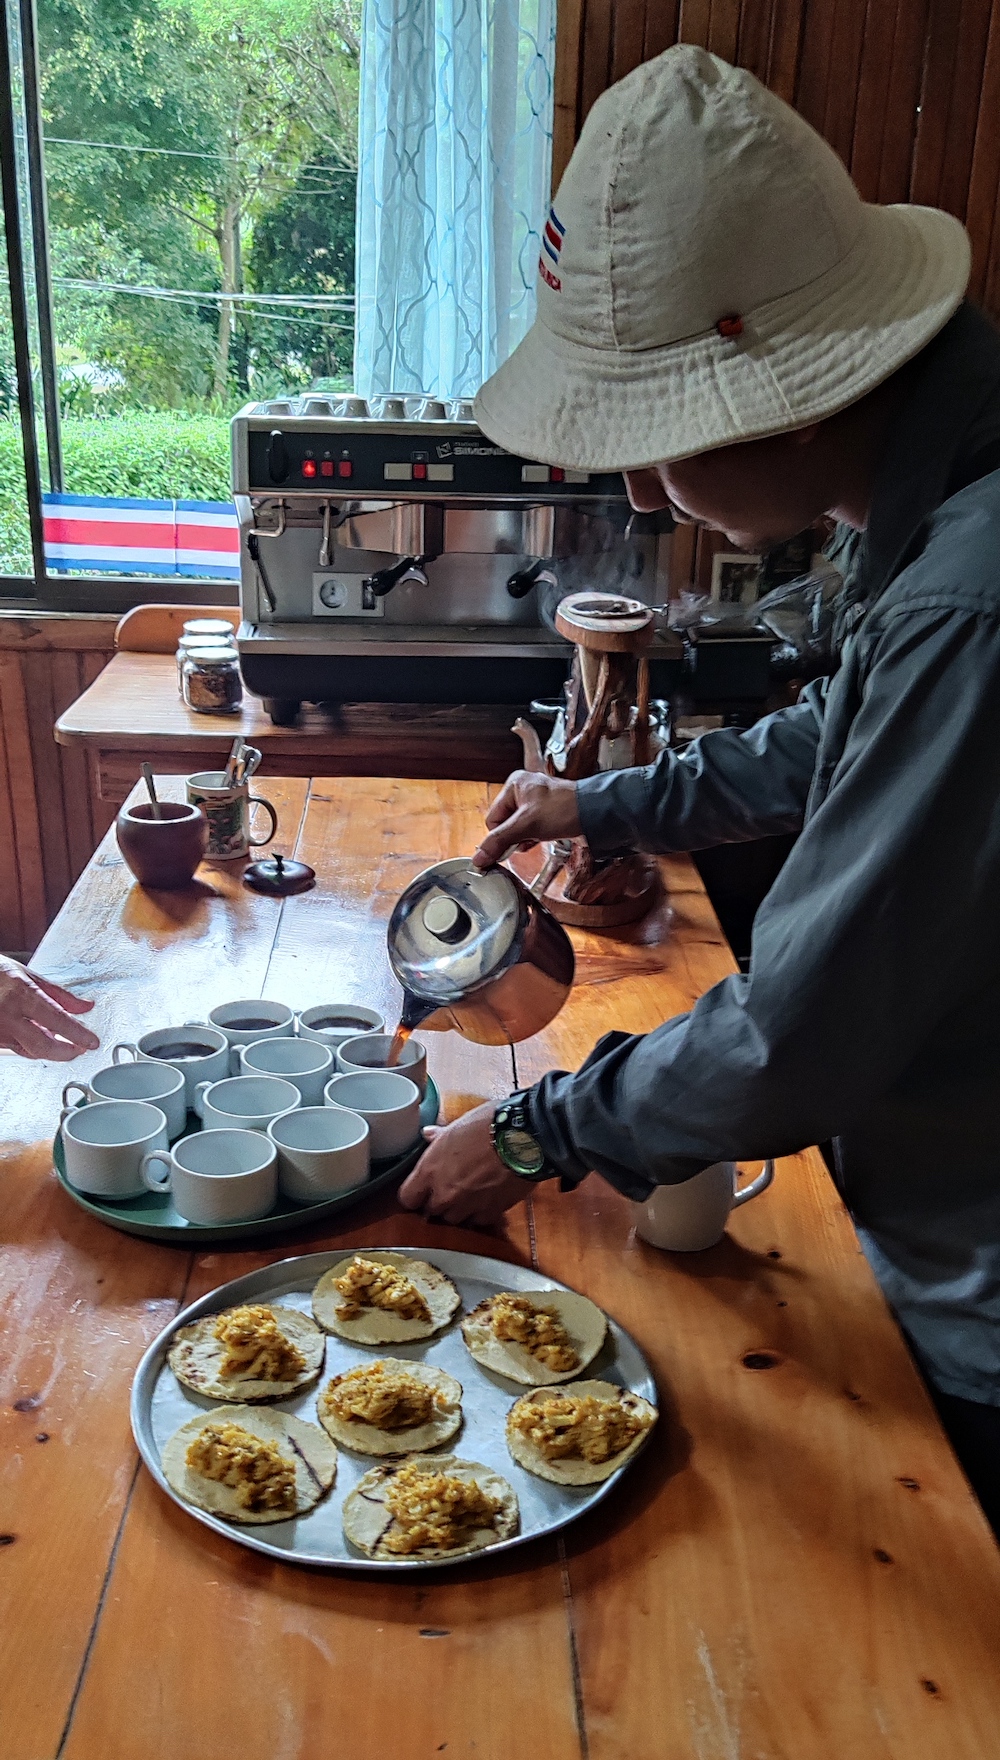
[[728, 787], [883, 919]]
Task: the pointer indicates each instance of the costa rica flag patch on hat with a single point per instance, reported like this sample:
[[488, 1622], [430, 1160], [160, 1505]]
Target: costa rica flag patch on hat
[[552, 240]]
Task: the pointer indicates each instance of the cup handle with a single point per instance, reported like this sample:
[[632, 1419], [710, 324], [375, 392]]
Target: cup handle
[[257, 800], [756, 1186], [196, 1023], [148, 1162], [71, 1105], [134, 1049], [199, 1099]]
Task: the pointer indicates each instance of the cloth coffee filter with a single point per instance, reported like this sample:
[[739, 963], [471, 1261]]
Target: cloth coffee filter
[[708, 274]]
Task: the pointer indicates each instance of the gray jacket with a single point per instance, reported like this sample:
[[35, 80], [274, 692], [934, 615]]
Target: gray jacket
[[871, 1011]]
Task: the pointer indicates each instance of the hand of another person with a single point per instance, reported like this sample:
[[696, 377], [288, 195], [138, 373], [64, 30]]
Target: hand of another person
[[460, 1177], [36, 1016], [529, 809]]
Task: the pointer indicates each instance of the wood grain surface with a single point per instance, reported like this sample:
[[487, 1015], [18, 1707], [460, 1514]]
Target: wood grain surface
[[795, 1570], [132, 712]]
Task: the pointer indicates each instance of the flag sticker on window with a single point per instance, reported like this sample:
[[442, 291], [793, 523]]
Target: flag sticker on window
[[552, 241]]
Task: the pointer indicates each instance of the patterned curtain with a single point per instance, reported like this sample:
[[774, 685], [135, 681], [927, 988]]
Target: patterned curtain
[[453, 183]]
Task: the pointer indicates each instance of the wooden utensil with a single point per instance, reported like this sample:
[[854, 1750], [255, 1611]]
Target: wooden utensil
[[147, 777]]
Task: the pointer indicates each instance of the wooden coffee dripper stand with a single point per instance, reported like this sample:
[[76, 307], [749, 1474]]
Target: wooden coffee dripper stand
[[607, 704]]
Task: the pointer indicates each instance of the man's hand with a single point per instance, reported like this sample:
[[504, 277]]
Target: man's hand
[[460, 1177], [529, 809], [36, 1016]]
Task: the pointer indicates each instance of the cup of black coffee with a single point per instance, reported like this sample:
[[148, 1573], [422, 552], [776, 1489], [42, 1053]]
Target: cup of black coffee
[[333, 1022], [243, 1023], [200, 1053]]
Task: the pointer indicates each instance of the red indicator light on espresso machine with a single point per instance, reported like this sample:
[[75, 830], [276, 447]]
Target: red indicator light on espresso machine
[[308, 466], [420, 471], [557, 474], [345, 468], [326, 467]]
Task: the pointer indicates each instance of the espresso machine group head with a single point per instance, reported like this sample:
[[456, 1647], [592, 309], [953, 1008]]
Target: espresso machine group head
[[393, 553]]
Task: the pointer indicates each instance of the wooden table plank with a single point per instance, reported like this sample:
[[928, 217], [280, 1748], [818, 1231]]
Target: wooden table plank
[[312, 1648], [801, 1571], [132, 712]]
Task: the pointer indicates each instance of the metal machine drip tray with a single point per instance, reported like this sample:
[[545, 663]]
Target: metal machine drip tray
[[483, 641]]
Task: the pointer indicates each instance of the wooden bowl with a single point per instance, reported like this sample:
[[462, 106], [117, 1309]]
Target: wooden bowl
[[162, 853]]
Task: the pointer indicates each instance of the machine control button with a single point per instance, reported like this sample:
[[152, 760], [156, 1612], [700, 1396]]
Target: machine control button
[[558, 474], [326, 467], [577, 476], [440, 473], [277, 456], [398, 473], [345, 468], [534, 473], [308, 467], [333, 594], [420, 472]]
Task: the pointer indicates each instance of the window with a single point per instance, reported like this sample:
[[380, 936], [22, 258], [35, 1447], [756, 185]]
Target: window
[[187, 184]]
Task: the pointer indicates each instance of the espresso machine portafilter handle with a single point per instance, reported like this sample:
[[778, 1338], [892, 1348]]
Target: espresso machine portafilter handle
[[520, 583], [408, 568]]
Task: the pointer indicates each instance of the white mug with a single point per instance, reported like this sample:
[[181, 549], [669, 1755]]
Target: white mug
[[203, 1054], [353, 1018], [305, 1063], [103, 1145], [268, 1020], [217, 1176], [244, 1102], [371, 1051], [389, 1104], [162, 1084], [321, 1150], [690, 1216], [229, 812]]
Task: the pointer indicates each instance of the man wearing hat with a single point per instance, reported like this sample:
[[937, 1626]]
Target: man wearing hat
[[721, 317]]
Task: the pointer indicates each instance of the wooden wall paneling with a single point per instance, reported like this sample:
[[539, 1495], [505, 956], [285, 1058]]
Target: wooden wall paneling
[[964, 106], [694, 22], [566, 84], [888, 94], [11, 916], [661, 27], [27, 843], [74, 770], [940, 49], [56, 871], [982, 215], [595, 70], [628, 37], [844, 78], [724, 28], [784, 49]]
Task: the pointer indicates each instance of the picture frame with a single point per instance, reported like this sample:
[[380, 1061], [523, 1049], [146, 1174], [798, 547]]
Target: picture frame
[[736, 577]]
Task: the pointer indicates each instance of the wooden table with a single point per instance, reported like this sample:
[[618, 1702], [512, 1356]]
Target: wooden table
[[132, 713], [795, 1569]]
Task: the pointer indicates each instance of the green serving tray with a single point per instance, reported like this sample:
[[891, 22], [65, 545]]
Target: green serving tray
[[153, 1217]]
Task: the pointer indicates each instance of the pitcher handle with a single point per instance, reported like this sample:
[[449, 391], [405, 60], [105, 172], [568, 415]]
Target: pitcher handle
[[756, 1186]]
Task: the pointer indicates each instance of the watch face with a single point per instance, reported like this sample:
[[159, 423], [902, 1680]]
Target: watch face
[[521, 1151]]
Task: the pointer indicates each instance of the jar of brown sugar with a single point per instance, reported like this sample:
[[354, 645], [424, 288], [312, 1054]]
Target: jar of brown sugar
[[211, 681]]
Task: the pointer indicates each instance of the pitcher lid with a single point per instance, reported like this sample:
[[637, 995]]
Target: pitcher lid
[[453, 928]]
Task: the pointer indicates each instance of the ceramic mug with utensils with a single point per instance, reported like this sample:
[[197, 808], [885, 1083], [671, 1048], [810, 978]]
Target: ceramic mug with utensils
[[244, 1023], [689, 1217], [103, 1145], [228, 807], [200, 1053], [321, 1150], [371, 1051], [162, 842], [333, 1022], [158, 1083], [305, 1063], [389, 1105], [216, 1177], [244, 1102]]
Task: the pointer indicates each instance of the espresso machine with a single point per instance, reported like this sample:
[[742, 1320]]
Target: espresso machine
[[390, 552]]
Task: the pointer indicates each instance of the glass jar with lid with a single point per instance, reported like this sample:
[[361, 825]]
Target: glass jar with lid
[[224, 644], [211, 682]]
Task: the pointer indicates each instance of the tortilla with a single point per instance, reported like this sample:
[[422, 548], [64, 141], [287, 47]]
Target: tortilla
[[367, 1521], [364, 1438], [196, 1356], [375, 1325], [583, 1320], [575, 1470], [314, 1455]]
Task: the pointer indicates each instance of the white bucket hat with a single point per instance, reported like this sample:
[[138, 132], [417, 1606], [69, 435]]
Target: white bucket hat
[[709, 274]]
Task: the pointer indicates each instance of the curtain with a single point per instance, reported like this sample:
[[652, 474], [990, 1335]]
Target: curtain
[[453, 185]]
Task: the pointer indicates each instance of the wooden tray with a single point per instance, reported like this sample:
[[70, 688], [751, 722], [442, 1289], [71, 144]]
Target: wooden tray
[[153, 1217]]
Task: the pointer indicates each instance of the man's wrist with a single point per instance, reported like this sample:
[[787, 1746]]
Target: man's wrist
[[515, 1142]]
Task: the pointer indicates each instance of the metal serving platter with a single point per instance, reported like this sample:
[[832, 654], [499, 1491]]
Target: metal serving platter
[[160, 1404], [152, 1215]]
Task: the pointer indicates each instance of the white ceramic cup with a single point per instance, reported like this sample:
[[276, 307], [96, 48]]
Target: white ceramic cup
[[103, 1145], [371, 1051], [389, 1104], [216, 1176], [211, 1066], [349, 1013], [159, 1083], [321, 1150], [305, 1063], [244, 1102], [688, 1217], [269, 1020]]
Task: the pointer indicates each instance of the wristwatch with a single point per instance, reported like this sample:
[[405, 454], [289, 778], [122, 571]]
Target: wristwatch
[[515, 1143]]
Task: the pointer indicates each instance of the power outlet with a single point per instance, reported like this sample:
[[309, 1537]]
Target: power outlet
[[344, 595]]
